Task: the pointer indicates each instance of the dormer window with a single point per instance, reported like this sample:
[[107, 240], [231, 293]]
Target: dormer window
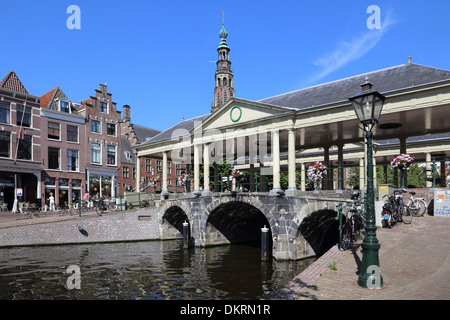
[[103, 105], [64, 106]]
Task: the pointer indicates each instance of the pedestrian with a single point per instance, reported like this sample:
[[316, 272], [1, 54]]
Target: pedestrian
[[86, 198], [51, 200]]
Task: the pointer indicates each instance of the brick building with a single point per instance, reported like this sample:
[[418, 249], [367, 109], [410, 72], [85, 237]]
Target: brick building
[[133, 135], [20, 143], [49, 144], [63, 145], [102, 131]]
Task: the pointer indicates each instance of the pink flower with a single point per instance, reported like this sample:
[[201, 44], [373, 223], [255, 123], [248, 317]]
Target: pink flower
[[315, 171], [402, 160]]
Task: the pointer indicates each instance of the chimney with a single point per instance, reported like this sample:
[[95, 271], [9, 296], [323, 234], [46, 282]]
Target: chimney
[[126, 113]]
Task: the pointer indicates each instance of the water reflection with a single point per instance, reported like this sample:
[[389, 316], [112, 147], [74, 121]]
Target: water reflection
[[143, 270]]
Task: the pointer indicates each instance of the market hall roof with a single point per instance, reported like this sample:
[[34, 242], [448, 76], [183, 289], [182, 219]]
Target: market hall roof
[[177, 130], [404, 76], [144, 133], [384, 80]]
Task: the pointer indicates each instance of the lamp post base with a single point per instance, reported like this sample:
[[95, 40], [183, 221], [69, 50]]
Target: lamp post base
[[370, 275]]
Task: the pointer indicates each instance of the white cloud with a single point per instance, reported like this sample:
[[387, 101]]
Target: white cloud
[[347, 51]]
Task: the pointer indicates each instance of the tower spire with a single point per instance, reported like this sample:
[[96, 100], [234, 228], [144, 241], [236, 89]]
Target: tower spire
[[224, 76]]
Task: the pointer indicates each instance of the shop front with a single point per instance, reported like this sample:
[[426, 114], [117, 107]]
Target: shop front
[[102, 184], [7, 189], [21, 186], [66, 190]]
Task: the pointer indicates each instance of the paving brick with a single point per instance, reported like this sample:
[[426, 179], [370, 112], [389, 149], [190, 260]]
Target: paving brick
[[414, 264]]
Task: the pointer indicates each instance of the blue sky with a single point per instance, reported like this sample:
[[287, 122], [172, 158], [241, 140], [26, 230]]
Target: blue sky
[[159, 56]]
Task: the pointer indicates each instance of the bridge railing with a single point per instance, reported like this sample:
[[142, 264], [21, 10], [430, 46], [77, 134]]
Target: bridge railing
[[419, 175]]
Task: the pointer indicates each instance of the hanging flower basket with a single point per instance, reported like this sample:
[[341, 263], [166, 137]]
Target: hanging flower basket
[[402, 161], [154, 180], [236, 173], [183, 178], [315, 171]]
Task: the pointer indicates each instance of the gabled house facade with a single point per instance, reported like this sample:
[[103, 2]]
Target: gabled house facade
[[63, 148], [20, 143], [102, 143]]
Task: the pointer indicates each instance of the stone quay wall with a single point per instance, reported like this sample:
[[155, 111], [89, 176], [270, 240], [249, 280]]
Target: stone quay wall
[[120, 226]]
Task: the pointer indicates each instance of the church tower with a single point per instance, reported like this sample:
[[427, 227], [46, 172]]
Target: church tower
[[224, 76]]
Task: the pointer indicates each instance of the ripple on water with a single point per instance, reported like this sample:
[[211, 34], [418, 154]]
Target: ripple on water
[[142, 271]]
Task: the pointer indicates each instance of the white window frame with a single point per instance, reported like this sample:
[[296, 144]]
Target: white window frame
[[9, 117], [78, 133], [100, 108], [10, 146], [115, 129], [59, 128], [77, 168], [115, 155], [68, 106], [100, 153], [100, 126], [59, 158]]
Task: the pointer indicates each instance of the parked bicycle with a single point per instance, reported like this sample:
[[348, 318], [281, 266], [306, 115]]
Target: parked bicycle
[[354, 223], [102, 205], [417, 206], [430, 175], [395, 210]]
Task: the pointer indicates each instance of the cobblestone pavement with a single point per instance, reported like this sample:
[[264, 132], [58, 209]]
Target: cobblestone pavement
[[9, 219], [414, 264]]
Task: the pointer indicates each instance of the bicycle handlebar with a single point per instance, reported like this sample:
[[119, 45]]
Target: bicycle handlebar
[[400, 191]]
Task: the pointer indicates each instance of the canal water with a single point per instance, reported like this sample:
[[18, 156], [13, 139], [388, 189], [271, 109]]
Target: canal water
[[148, 270]]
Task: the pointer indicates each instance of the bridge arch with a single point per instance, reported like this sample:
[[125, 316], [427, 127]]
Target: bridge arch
[[314, 229], [232, 220], [173, 214]]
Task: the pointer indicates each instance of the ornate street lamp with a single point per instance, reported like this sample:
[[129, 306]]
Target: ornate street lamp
[[368, 105]]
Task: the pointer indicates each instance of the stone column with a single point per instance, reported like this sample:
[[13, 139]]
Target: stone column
[[303, 177], [403, 173], [429, 184], [138, 174], [292, 187], [362, 178], [164, 181], [197, 168], [275, 162], [39, 186], [206, 155]]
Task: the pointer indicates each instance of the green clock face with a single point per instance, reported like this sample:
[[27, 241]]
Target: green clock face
[[220, 64], [235, 113]]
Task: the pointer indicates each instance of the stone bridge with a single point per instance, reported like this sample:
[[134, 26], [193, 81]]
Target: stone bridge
[[299, 227]]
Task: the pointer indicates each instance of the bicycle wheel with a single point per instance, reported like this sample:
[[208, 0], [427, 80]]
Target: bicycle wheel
[[112, 206], [99, 210], [406, 215], [422, 207], [345, 237], [413, 207]]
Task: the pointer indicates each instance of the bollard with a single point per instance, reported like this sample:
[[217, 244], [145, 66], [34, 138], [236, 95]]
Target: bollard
[[185, 235], [265, 243]]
